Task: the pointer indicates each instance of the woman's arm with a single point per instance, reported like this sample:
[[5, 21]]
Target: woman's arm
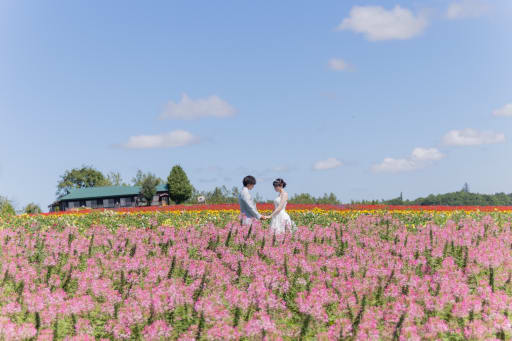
[[282, 203]]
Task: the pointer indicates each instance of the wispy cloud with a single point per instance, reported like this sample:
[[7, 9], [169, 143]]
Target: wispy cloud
[[173, 139], [472, 137], [271, 173], [211, 173], [506, 110], [330, 163], [188, 108], [210, 169], [378, 23], [338, 64], [281, 168], [208, 180], [419, 158], [466, 9]]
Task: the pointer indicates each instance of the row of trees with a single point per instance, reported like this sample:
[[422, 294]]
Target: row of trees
[[460, 198], [7, 207], [221, 195], [464, 197], [306, 198]]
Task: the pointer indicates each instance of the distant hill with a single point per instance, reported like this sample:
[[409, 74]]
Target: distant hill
[[460, 198]]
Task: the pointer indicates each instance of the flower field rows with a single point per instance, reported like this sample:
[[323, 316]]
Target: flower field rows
[[361, 273]]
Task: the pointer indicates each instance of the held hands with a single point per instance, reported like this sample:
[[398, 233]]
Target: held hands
[[265, 217]]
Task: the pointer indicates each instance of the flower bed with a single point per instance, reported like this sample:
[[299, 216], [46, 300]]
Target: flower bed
[[367, 276]]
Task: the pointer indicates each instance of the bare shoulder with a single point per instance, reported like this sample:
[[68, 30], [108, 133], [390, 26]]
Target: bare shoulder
[[284, 195]]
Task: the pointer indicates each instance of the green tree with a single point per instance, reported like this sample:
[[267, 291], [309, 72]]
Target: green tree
[[306, 198], [328, 199], [302, 198], [194, 196], [32, 209], [235, 192], [217, 196], [148, 187], [139, 178], [221, 195], [86, 176], [180, 189], [115, 179], [6, 207]]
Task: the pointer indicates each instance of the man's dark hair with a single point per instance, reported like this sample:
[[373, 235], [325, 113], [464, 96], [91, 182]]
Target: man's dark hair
[[249, 180]]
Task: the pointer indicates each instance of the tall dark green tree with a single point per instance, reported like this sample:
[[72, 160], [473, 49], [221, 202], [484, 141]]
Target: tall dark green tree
[[32, 209], [148, 187], [465, 188], [180, 189], [86, 176]]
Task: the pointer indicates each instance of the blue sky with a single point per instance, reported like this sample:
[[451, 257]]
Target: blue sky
[[363, 99]]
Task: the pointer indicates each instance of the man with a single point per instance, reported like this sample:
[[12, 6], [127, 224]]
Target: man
[[247, 206]]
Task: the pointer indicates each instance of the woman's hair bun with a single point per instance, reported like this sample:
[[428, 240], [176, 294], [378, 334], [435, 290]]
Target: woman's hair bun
[[279, 183]]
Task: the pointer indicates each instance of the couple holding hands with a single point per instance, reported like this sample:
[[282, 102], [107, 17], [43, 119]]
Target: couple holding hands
[[280, 221]]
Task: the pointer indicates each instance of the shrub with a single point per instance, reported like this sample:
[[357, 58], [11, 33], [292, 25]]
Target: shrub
[[32, 209]]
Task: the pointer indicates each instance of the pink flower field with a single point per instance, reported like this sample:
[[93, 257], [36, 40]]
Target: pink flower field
[[369, 278]]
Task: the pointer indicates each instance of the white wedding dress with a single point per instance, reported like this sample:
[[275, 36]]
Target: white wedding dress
[[281, 221]]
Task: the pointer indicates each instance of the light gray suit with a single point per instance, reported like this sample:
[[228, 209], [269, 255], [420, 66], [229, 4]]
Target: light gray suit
[[248, 206]]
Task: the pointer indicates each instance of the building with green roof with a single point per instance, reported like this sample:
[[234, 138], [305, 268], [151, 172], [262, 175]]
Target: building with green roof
[[108, 197]]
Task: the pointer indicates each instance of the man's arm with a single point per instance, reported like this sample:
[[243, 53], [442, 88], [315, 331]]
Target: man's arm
[[250, 203]]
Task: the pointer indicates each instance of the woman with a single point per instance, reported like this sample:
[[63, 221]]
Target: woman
[[280, 219]]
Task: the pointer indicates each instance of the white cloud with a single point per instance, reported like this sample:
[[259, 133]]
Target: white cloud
[[426, 154], [503, 111], [472, 137], [176, 138], [188, 108], [419, 158], [337, 64], [466, 9], [395, 165], [330, 163], [378, 23]]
